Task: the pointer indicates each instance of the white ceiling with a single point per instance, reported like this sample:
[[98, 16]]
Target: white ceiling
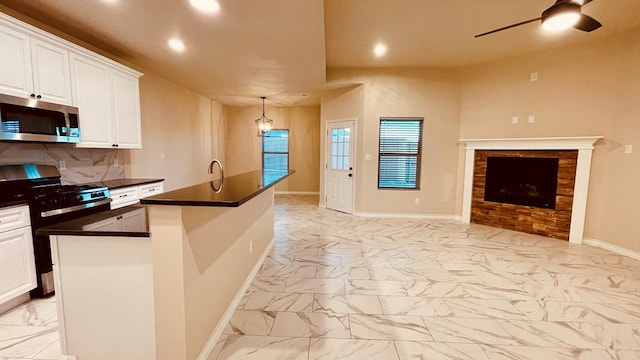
[[281, 48]]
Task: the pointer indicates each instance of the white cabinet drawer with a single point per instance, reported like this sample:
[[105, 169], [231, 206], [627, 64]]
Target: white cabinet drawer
[[14, 217], [150, 189], [124, 196]]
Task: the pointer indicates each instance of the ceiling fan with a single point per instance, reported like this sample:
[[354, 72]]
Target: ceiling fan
[[561, 15]]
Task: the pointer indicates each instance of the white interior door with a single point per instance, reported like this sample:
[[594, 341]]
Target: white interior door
[[339, 166]]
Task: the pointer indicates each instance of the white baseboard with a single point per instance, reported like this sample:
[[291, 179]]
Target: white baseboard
[[297, 193], [217, 332], [614, 248], [408, 216]]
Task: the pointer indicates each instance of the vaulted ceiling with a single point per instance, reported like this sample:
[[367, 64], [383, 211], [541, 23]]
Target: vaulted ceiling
[[282, 48]]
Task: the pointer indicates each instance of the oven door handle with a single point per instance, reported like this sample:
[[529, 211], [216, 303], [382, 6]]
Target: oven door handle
[[50, 213]]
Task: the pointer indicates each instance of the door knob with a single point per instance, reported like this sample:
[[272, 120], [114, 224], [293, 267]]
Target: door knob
[[350, 175]]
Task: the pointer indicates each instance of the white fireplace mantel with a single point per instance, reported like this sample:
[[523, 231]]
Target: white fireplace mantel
[[583, 144]]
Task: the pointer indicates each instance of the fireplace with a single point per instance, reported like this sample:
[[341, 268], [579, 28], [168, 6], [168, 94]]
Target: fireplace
[[499, 203], [525, 190]]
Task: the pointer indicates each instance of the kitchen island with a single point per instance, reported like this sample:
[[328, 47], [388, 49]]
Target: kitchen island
[[167, 290]]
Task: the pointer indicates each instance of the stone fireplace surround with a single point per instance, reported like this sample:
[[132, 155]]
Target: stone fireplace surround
[[584, 146]]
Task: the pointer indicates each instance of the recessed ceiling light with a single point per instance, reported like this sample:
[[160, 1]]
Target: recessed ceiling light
[[208, 6], [176, 45], [111, 2], [380, 49]]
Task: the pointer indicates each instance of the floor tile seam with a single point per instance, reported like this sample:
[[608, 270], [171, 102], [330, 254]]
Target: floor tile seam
[[448, 300], [27, 338], [492, 320], [574, 326]]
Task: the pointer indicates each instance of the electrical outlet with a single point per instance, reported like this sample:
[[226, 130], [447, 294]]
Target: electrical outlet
[[532, 119], [534, 77], [416, 201], [628, 149], [514, 120], [62, 165], [367, 157], [251, 247]]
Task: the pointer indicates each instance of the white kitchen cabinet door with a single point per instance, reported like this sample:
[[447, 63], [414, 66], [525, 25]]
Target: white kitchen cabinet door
[[90, 88], [15, 63], [17, 263], [51, 75], [126, 102]]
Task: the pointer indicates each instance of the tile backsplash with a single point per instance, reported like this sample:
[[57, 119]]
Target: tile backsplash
[[82, 165]]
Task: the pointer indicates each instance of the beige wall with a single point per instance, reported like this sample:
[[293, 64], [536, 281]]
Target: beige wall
[[243, 147], [185, 127], [429, 93], [589, 89]]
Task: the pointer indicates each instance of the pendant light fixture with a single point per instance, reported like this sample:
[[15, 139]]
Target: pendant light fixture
[[263, 123]]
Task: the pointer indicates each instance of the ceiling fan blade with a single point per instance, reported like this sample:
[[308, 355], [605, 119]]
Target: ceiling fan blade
[[507, 27], [587, 23]]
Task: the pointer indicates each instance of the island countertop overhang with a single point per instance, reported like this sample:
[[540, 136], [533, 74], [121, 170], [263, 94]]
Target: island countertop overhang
[[233, 191]]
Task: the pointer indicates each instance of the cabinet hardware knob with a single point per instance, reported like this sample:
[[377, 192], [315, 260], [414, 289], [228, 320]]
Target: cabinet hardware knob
[[32, 95], [39, 96]]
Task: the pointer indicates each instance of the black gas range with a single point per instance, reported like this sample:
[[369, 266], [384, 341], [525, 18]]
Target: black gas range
[[49, 202]]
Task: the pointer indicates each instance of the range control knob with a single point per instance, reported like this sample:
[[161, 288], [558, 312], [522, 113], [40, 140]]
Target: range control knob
[[79, 198]]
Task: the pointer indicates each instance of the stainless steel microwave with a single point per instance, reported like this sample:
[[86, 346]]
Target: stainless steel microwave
[[38, 121]]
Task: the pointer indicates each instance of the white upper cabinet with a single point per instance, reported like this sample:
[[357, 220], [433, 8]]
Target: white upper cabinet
[[90, 82], [126, 98], [51, 79], [109, 104], [39, 65], [15, 63], [33, 68]]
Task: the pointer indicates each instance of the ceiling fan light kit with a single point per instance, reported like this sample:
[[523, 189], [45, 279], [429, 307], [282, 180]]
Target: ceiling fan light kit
[[561, 17], [563, 14]]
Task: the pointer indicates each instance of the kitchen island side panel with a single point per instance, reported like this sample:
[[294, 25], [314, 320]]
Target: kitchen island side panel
[[213, 262]]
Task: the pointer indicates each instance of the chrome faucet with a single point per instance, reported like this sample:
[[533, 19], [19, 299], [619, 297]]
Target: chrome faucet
[[216, 161], [217, 188]]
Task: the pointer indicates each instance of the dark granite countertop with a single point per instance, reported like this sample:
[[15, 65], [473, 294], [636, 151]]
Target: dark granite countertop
[[13, 203], [129, 221], [235, 190], [120, 183]]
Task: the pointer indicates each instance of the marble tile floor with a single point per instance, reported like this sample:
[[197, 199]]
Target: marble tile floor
[[30, 331], [336, 286]]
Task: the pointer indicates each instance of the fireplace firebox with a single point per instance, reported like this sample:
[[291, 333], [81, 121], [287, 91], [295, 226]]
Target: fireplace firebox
[[522, 181]]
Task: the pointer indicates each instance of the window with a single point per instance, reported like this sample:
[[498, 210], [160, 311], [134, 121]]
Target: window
[[340, 147], [400, 153], [275, 150]]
